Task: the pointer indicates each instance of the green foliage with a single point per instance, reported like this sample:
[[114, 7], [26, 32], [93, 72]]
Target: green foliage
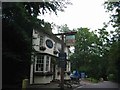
[[64, 28], [111, 77], [92, 80], [113, 7], [114, 60], [91, 52], [114, 55]]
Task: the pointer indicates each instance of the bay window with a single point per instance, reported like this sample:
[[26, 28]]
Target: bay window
[[39, 64], [42, 63]]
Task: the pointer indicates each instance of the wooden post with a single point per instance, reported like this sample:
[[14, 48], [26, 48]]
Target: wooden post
[[62, 69], [63, 61]]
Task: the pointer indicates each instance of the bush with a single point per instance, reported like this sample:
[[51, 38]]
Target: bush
[[92, 80], [111, 77]]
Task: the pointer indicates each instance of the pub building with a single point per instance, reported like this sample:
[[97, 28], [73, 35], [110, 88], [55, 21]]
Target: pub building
[[45, 58]]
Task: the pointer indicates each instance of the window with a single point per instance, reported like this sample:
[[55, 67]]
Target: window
[[42, 63], [47, 63], [49, 43], [39, 63], [35, 31], [41, 41]]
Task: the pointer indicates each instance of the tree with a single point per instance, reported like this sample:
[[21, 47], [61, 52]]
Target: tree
[[114, 59], [18, 21], [64, 28], [113, 7], [85, 41], [104, 46], [91, 52]]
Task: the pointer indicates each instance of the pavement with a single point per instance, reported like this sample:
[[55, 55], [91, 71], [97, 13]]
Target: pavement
[[83, 84], [55, 86]]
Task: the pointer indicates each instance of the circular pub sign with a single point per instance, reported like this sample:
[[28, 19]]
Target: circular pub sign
[[49, 43]]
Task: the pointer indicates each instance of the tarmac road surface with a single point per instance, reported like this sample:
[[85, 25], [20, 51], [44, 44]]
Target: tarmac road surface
[[102, 85]]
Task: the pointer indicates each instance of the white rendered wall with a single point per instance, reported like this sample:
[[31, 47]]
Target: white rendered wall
[[36, 40], [42, 79]]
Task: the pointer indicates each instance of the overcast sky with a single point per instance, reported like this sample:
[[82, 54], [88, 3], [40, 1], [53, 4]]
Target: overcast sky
[[83, 13]]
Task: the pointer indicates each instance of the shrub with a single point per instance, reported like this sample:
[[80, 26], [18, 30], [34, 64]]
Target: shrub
[[111, 77]]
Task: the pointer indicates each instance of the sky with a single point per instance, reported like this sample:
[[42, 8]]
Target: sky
[[82, 13]]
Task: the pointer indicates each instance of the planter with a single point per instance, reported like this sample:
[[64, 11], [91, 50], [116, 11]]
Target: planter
[[43, 48], [55, 52]]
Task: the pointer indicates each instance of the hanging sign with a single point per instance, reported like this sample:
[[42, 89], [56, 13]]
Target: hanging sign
[[70, 40], [62, 60]]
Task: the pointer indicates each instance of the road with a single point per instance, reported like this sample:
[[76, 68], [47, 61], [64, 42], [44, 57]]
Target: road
[[102, 85]]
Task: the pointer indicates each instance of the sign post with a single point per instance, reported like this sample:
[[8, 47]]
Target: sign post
[[62, 57]]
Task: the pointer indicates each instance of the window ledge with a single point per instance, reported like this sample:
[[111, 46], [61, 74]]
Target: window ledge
[[44, 73]]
